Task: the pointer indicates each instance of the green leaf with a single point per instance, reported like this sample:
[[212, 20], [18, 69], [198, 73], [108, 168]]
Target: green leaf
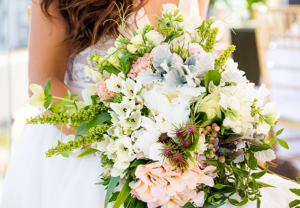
[[89, 151], [74, 97], [133, 32], [66, 96], [111, 69], [272, 141], [240, 172], [188, 205], [193, 145], [217, 196], [283, 143], [95, 99], [252, 161], [254, 148], [80, 128], [95, 122], [279, 132], [296, 191], [219, 186], [214, 76], [47, 91], [111, 186], [114, 196], [294, 203], [258, 203], [237, 203], [48, 101], [139, 162], [125, 192], [216, 205], [211, 162], [125, 63], [198, 103], [298, 179], [55, 108], [260, 174], [261, 184]]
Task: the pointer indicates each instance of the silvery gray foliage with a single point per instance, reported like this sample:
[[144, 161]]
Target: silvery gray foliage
[[161, 55], [192, 60], [175, 77]]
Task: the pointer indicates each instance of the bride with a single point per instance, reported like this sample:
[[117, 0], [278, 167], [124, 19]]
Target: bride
[[64, 34]]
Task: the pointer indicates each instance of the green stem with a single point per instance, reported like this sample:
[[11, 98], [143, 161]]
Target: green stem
[[61, 132], [272, 173], [68, 100]]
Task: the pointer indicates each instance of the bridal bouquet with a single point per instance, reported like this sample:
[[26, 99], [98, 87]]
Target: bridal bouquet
[[171, 118]]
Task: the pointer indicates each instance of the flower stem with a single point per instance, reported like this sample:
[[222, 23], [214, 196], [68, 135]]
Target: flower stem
[[272, 173], [61, 132], [63, 99]]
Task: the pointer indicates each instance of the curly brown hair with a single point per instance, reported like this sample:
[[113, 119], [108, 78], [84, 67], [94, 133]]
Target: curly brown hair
[[85, 19]]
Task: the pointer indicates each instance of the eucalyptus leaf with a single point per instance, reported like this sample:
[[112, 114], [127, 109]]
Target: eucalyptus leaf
[[88, 152], [111, 186]]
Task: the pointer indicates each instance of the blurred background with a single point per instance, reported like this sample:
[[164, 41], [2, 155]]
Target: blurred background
[[267, 36]]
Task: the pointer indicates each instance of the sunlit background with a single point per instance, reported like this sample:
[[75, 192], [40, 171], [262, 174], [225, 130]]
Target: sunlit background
[[267, 36]]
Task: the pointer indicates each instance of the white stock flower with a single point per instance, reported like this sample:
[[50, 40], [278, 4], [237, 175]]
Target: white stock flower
[[38, 98], [119, 168], [131, 88], [123, 109], [115, 83], [265, 156], [93, 74], [229, 102], [133, 121], [233, 74], [155, 37], [86, 95], [137, 40], [102, 146]]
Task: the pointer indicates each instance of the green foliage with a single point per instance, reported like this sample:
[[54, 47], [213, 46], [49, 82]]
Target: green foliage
[[89, 151], [280, 141], [76, 119], [296, 191], [101, 118], [95, 134], [139, 162], [260, 174], [294, 203], [263, 147], [111, 186], [125, 192], [251, 161], [213, 76]]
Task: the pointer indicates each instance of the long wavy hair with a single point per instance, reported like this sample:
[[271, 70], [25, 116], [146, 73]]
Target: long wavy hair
[[86, 20]]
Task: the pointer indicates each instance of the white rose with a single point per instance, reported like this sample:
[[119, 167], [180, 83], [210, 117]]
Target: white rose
[[137, 40], [93, 74], [155, 37], [210, 106], [132, 48]]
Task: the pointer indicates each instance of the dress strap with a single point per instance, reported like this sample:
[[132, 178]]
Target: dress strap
[[190, 7]]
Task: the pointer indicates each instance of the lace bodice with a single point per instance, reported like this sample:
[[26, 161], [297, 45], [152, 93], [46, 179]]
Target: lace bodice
[[75, 75]]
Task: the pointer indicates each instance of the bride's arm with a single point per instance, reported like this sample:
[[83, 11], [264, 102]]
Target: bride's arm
[[203, 7], [48, 53]]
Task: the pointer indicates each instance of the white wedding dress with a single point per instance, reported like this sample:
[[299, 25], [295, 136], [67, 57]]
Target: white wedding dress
[[34, 181]]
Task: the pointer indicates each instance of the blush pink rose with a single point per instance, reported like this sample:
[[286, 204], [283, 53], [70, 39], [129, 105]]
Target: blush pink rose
[[104, 93], [142, 63]]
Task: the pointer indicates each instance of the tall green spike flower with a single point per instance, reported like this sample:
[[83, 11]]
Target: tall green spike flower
[[76, 119], [211, 40], [221, 61], [94, 134]]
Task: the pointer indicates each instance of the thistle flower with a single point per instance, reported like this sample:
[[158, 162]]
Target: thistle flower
[[177, 158], [186, 143], [167, 152], [180, 133], [164, 138], [191, 129]]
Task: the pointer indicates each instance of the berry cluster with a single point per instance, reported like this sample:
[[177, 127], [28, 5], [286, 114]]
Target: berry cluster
[[212, 134]]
